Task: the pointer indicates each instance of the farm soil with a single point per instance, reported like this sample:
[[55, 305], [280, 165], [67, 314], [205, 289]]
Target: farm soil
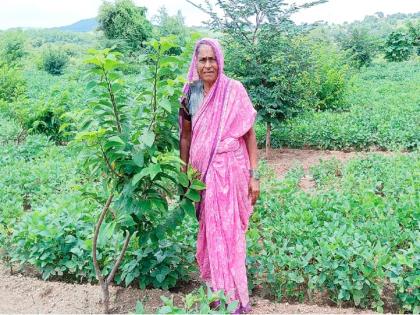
[[26, 293]]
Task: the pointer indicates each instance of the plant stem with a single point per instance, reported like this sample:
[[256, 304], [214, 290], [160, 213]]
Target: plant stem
[[114, 103], [102, 283], [154, 98]]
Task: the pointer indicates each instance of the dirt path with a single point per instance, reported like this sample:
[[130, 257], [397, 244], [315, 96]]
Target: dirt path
[[284, 159], [26, 294], [23, 294]]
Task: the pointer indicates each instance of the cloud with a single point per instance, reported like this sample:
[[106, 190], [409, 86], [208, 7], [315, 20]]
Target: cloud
[[51, 13]]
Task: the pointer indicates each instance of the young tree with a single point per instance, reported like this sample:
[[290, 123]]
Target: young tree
[[257, 35], [360, 47], [123, 20], [129, 146], [414, 32]]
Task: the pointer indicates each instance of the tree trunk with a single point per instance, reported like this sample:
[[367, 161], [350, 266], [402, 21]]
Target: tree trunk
[[268, 140], [105, 296], [105, 282]]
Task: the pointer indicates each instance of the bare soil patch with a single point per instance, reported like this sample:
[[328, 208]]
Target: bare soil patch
[[284, 159], [21, 294]]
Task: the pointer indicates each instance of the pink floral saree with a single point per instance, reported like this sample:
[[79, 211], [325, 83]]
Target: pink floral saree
[[218, 151]]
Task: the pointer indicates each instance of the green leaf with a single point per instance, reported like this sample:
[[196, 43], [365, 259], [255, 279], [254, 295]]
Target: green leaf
[[139, 308], [183, 179], [138, 158], [188, 207], [110, 64], [148, 138], [91, 85], [129, 278], [136, 178], [116, 139], [154, 169], [232, 307], [166, 105], [193, 195], [198, 185]]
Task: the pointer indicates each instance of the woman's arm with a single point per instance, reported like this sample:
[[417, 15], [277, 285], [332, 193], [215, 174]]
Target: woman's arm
[[251, 145], [185, 142]]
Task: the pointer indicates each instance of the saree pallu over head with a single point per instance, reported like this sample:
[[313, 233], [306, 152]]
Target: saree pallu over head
[[218, 151]]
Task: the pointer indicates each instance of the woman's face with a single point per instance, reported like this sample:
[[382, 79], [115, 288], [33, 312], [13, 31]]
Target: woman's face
[[207, 66]]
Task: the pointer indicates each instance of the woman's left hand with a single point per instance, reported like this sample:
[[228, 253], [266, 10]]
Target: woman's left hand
[[253, 190]]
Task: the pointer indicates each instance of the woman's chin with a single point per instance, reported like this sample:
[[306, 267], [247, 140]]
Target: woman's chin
[[209, 79]]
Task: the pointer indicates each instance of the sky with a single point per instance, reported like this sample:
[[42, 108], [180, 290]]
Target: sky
[[52, 13]]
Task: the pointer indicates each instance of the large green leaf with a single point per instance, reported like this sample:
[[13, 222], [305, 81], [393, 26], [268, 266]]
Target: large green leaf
[[154, 169], [188, 207], [183, 180], [198, 185], [148, 138], [136, 178], [138, 158], [193, 195]]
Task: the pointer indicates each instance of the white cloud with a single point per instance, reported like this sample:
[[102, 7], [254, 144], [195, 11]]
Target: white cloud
[[50, 13]]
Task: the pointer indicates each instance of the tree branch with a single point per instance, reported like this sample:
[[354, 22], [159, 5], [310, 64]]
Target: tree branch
[[95, 240], [113, 102], [239, 30], [108, 163], [120, 257]]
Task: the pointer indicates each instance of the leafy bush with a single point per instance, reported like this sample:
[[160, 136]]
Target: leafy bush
[[359, 46], [46, 220], [54, 61], [56, 239], [12, 84], [347, 239], [12, 47], [162, 263], [123, 20], [32, 173], [398, 46], [10, 131], [330, 78]]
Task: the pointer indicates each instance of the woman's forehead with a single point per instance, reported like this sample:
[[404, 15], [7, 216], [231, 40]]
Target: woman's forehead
[[205, 50]]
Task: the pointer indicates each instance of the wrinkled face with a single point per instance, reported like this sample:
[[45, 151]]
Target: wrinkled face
[[207, 66]]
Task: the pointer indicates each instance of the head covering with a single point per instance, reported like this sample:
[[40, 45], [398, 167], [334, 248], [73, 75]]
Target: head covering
[[192, 72]]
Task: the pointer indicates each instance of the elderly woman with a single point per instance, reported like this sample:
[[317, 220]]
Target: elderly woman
[[217, 138]]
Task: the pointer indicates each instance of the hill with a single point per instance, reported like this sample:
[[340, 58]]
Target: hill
[[86, 25]]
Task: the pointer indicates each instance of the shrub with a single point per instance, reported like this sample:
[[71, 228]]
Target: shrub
[[359, 46], [12, 84], [331, 77], [54, 61], [398, 46], [123, 20], [12, 47], [196, 302]]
